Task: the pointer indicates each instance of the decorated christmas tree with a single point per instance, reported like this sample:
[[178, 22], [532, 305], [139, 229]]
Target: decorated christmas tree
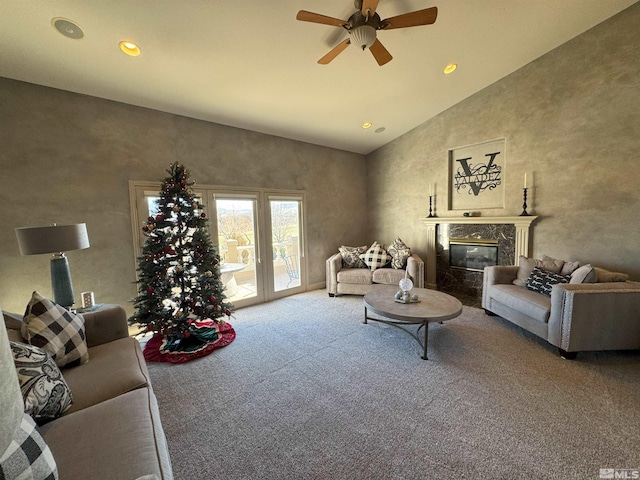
[[180, 294]]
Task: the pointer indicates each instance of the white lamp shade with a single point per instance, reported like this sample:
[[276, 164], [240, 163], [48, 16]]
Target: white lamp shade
[[363, 36], [52, 239]]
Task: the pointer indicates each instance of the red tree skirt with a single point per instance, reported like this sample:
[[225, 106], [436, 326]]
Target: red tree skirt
[[205, 336]]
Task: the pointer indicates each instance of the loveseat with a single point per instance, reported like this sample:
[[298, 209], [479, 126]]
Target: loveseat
[[344, 275], [113, 428], [598, 310]]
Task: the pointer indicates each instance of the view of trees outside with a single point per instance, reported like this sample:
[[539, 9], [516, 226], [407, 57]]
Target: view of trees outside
[[284, 224], [235, 222]]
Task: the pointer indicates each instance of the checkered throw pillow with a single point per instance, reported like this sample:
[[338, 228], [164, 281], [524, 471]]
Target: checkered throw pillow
[[44, 389], [376, 256], [55, 330], [28, 456]]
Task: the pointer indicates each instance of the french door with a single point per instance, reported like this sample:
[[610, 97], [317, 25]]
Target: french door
[[260, 239]]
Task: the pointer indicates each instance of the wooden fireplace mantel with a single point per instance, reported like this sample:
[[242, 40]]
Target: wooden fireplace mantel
[[522, 224]]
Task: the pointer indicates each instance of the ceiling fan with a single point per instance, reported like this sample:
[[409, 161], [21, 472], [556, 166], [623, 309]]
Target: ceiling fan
[[363, 25]]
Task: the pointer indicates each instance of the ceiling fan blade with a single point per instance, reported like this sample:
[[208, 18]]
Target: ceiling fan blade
[[380, 53], [369, 5], [305, 16], [413, 19], [335, 51]]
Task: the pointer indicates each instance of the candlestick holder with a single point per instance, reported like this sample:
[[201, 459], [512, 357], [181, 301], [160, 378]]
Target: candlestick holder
[[431, 210], [524, 203]]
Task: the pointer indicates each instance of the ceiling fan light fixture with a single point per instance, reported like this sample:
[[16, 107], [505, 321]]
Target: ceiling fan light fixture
[[363, 36], [129, 48]]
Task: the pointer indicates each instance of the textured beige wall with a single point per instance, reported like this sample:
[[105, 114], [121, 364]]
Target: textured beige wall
[[571, 119], [67, 158]]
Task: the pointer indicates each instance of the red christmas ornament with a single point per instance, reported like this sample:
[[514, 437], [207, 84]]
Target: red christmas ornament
[[145, 229], [212, 299], [227, 312], [159, 217], [203, 215], [150, 289]]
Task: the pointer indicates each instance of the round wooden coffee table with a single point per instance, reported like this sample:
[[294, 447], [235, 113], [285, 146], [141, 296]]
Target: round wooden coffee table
[[433, 306]]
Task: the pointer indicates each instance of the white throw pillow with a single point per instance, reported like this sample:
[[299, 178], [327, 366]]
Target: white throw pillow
[[583, 274]]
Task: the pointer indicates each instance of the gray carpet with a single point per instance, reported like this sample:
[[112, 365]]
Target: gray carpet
[[308, 391]]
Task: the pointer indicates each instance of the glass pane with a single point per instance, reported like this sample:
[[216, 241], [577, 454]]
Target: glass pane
[[236, 244], [285, 230]]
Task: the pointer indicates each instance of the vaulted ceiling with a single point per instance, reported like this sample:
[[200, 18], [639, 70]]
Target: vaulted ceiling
[[251, 64]]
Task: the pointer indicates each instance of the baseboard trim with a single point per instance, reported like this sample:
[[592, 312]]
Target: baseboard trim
[[317, 286]]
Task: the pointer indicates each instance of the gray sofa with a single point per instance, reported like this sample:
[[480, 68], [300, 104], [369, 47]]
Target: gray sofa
[[576, 317], [113, 428], [358, 281]]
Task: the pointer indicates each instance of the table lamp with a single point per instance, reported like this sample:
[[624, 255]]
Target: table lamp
[[55, 239]]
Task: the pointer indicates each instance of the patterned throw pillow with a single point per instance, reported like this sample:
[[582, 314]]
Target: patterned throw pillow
[[45, 392], [541, 280], [56, 330], [399, 253], [351, 256], [376, 257], [28, 456]]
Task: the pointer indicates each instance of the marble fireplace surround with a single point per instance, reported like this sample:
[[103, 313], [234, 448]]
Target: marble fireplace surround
[[522, 223]]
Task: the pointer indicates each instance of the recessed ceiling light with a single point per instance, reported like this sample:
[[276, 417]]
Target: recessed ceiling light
[[450, 68], [367, 125], [67, 28], [129, 48], [380, 130]]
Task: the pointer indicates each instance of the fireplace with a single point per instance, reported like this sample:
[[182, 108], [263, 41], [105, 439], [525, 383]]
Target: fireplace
[[472, 254], [513, 241]]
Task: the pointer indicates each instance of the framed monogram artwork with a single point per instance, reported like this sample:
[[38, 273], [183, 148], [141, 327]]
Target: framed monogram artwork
[[476, 176]]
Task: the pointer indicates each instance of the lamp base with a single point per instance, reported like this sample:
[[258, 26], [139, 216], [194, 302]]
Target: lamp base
[[61, 281]]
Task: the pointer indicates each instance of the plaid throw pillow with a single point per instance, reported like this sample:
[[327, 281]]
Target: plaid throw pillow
[[376, 257], [399, 253], [55, 330], [28, 456], [45, 392]]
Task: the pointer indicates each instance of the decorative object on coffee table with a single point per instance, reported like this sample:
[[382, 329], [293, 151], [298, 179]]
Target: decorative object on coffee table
[[404, 294]]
